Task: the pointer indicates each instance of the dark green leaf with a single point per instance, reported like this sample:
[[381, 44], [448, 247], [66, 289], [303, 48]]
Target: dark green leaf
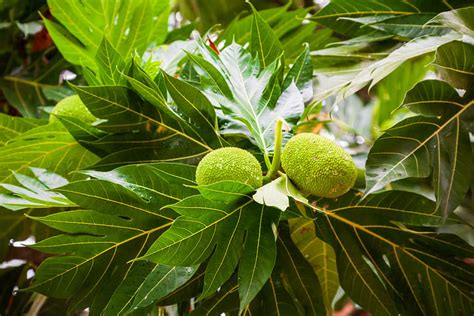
[[225, 301], [216, 229], [299, 275], [319, 254], [456, 60], [195, 106], [124, 214], [331, 14], [145, 284], [389, 269], [419, 145]]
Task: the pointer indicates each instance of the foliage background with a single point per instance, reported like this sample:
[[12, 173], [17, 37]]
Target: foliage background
[[391, 81]]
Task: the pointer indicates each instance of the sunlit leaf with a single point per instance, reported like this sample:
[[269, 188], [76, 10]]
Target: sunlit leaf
[[128, 26], [257, 100], [410, 26], [459, 20], [287, 25], [111, 65], [380, 69], [34, 192], [277, 193]]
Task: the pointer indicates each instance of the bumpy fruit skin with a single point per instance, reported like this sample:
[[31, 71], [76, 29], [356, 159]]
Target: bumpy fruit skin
[[318, 166], [229, 163], [73, 107]]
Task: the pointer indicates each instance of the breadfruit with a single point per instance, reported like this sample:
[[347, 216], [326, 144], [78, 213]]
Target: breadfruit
[[318, 166], [73, 107], [229, 163]]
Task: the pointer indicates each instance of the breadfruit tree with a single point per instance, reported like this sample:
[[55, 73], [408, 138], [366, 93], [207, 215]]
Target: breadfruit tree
[[284, 161]]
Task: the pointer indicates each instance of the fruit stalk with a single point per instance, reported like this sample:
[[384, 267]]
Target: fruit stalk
[[276, 152]]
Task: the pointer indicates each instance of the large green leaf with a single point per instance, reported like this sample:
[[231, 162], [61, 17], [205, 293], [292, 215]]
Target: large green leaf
[[149, 130], [208, 13], [456, 60], [264, 42], [128, 26], [299, 277], [195, 106], [144, 284], [121, 216], [382, 68], [214, 224], [436, 141], [110, 65], [371, 53], [288, 25], [331, 14], [392, 89], [459, 20], [389, 264], [410, 26]]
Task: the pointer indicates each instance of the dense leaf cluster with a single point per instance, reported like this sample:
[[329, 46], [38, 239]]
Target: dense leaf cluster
[[115, 205]]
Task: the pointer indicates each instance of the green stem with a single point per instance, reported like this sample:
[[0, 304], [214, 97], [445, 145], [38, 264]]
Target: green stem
[[276, 153]]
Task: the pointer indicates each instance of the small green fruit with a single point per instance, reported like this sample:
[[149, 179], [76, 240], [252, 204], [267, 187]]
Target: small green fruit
[[229, 163], [73, 107], [318, 166]]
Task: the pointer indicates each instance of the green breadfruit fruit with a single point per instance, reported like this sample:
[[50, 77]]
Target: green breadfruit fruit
[[229, 163], [318, 166], [73, 107]]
